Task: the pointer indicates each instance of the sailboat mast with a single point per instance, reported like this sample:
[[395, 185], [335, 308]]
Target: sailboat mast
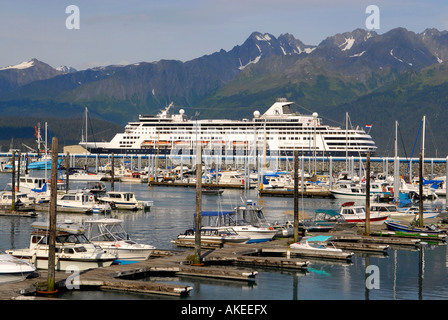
[[423, 142], [86, 126]]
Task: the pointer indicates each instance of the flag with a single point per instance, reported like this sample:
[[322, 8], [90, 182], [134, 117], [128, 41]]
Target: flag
[[368, 126]]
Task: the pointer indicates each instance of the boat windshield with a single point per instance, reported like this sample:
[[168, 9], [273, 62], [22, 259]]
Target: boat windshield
[[104, 232], [72, 238], [360, 210]]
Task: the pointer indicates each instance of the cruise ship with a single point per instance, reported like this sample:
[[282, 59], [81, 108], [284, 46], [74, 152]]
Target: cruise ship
[[278, 131]]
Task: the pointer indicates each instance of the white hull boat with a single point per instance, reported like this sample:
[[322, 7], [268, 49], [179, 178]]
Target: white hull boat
[[256, 234], [13, 269], [122, 200], [318, 243], [73, 250], [86, 176], [81, 203], [247, 220], [110, 235], [402, 213], [349, 191], [22, 201], [214, 234], [357, 214]]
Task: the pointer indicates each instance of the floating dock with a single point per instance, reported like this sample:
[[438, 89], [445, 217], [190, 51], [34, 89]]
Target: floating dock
[[290, 193]]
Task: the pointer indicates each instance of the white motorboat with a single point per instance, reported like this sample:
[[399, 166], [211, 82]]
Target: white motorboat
[[73, 249], [95, 187], [317, 243], [412, 211], [22, 201], [131, 177], [247, 220], [388, 209], [215, 234], [39, 187], [110, 235], [13, 269], [83, 175], [81, 202], [349, 191], [357, 214], [250, 221], [124, 200]]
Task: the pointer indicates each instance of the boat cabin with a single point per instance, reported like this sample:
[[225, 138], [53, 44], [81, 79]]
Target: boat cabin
[[78, 197], [121, 196]]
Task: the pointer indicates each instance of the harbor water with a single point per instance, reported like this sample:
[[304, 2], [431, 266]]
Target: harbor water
[[417, 273]]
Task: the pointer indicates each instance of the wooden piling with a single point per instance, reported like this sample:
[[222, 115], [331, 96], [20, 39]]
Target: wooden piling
[[198, 222], [112, 173], [296, 196], [53, 199]]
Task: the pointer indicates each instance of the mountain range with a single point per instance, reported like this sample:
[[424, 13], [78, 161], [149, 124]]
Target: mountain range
[[376, 78]]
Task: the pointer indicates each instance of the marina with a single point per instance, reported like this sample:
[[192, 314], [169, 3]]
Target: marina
[[240, 271], [244, 232]]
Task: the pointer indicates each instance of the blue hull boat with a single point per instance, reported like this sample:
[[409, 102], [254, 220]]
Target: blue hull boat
[[394, 226]]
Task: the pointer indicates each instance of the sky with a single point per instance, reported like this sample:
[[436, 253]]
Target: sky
[[126, 32]]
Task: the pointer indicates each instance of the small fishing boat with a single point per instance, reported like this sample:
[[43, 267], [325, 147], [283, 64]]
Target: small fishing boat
[[124, 200], [357, 214], [22, 201], [430, 229], [13, 269], [316, 243], [131, 177], [81, 202], [110, 235], [214, 234], [344, 190], [73, 249], [388, 209], [331, 218], [95, 187], [249, 220], [84, 175]]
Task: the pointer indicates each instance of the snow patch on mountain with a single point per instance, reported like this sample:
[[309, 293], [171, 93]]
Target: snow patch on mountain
[[357, 54], [66, 69], [396, 58], [348, 44], [241, 67], [23, 65]]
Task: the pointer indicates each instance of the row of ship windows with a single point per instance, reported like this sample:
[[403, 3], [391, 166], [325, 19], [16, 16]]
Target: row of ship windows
[[290, 136]]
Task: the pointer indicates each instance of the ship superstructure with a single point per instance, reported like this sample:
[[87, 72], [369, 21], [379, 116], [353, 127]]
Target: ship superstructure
[[278, 131]]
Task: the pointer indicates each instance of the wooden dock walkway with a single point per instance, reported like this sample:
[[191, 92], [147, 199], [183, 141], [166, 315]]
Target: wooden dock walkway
[[193, 185], [290, 193]]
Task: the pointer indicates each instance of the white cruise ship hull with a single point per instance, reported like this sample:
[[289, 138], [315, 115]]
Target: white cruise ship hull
[[278, 132]]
